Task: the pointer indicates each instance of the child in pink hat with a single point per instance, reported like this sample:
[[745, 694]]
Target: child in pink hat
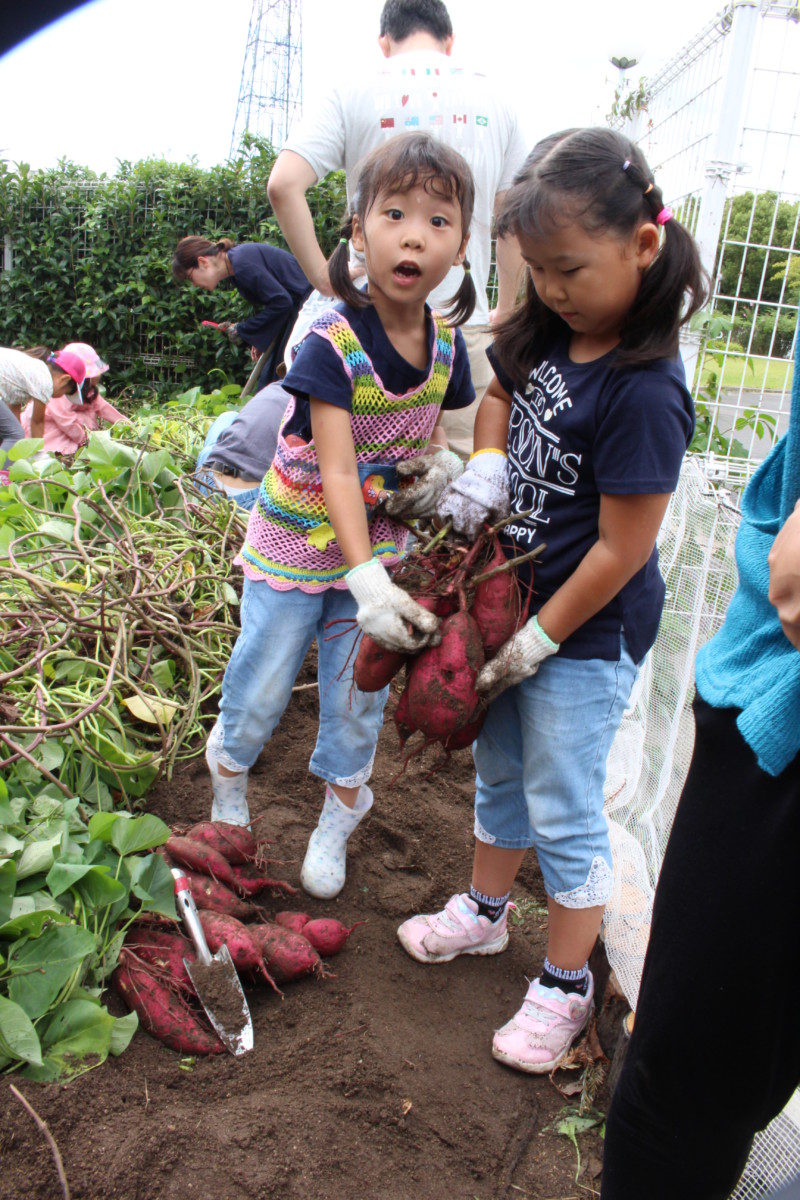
[[69, 419]]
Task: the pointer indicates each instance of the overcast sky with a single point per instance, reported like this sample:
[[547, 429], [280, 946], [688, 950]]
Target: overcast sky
[[127, 79]]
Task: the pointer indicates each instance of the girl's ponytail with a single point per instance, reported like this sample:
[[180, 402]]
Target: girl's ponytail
[[661, 308], [339, 270], [462, 305]]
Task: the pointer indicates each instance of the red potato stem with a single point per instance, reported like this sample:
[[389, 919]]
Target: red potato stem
[[510, 563]]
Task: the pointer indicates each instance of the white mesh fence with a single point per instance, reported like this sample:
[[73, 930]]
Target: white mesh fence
[[650, 755], [720, 126]]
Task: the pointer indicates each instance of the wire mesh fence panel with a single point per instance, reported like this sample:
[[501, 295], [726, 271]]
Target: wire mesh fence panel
[[720, 127]]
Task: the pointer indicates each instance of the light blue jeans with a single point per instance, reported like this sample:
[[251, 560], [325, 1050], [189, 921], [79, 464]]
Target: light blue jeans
[[277, 630], [205, 481], [541, 766]]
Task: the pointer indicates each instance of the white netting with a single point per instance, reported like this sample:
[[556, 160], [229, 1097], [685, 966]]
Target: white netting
[[650, 757], [651, 752]]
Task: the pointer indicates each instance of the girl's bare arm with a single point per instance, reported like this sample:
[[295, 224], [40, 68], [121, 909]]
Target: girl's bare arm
[[627, 529], [491, 422]]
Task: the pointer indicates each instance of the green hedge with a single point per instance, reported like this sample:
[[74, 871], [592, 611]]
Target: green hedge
[[92, 258]]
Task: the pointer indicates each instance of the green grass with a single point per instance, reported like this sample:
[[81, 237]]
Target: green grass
[[771, 374]]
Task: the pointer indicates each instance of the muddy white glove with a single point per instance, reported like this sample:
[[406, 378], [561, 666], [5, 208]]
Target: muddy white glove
[[480, 494], [431, 474], [385, 611], [518, 659]]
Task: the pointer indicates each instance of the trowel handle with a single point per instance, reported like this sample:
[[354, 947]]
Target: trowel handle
[[188, 910]]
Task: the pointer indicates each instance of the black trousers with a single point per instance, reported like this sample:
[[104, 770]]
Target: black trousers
[[715, 1052]]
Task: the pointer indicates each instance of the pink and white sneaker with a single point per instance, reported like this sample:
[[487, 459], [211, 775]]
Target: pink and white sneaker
[[538, 1037], [457, 929]]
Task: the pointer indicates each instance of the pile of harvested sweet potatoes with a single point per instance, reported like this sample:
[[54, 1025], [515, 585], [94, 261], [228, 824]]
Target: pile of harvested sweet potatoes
[[474, 589], [225, 868]]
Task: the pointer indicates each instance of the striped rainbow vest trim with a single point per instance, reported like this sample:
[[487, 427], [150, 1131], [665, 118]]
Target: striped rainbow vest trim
[[285, 542]]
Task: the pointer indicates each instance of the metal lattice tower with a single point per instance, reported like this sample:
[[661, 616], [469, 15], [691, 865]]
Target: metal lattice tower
[[271, 87]]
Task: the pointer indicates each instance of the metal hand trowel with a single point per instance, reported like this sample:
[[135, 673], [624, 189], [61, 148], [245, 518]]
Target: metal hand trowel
[[214, 977]]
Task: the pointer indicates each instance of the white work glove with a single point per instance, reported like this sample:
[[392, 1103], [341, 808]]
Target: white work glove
[[518, 659], [481, 494], [385, 611], [431, 473]]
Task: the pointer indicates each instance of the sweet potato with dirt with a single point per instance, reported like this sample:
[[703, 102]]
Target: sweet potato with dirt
[[292, 920], [496, 605], [287, 954], [163, 950], [441, 681], [375, 667], [402, 719], [201, 858], [234, 842], [216, 897], [245, 951], [328, 936], [464, 737], [251, 881], [161, 1010]]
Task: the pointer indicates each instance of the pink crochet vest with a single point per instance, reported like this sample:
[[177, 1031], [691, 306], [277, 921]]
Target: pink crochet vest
[[289, 541]]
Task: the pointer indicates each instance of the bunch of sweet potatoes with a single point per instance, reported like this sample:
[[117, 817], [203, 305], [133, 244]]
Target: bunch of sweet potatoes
[[221, 862], [478, 598]]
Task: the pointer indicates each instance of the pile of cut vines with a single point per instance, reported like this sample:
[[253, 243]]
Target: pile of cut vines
[[117, 611], [117, 616]]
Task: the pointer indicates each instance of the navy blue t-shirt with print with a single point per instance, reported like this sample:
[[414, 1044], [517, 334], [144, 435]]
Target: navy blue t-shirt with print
[[578, 431], [317, 370]]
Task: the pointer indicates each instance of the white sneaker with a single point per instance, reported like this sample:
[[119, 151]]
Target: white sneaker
[[324, 866], [230, 794]]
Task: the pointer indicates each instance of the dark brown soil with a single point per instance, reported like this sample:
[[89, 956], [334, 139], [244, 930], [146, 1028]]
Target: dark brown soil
[[374, 1084]]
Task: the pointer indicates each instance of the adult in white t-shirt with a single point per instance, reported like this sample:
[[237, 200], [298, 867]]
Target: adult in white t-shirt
[[23, 378], [418, 87]]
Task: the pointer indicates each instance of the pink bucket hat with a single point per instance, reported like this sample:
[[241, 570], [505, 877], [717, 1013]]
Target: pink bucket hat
[[91, 359], [74, 366]]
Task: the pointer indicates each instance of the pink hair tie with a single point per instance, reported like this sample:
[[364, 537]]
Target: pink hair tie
[[665, 215]]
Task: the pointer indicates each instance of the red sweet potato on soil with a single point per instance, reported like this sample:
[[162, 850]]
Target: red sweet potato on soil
[[441, 681], [216, 897], [292, 920], [163, 950], [199, 857], [245, 952], [234, 842], [162, 1012], [287, 954], [328, 936]]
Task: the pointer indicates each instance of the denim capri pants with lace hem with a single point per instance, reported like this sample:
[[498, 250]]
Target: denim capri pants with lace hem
[[277, 631], [541, 765]]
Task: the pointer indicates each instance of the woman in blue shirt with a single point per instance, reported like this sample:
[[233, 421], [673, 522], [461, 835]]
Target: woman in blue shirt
[[715, 1051], [268, 278]]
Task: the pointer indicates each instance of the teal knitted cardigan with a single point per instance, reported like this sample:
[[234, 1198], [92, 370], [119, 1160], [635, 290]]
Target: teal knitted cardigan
[[750, 664]]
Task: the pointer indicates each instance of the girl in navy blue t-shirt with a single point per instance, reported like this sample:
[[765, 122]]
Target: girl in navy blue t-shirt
[[580, 436]]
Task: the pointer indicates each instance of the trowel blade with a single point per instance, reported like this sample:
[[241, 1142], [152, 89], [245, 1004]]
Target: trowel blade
[[213, 983]]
